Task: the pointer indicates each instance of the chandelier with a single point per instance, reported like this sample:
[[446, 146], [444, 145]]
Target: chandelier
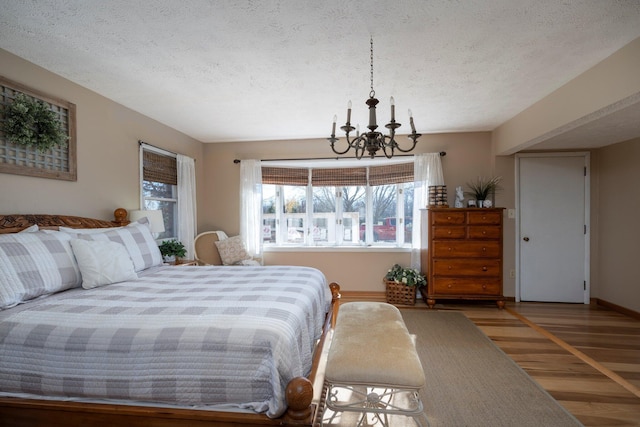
[[373, 141]]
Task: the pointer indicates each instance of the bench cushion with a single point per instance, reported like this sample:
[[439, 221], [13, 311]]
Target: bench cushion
[[371, 346]]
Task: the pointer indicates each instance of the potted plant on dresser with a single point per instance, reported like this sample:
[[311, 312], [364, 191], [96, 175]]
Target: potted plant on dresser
[[402, 284], [483, 189]]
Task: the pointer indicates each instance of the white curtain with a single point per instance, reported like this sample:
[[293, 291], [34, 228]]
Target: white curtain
[[427, 170], [186, 202], [251, 206]]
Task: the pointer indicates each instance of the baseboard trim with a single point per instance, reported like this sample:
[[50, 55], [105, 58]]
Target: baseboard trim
[[618, 308]]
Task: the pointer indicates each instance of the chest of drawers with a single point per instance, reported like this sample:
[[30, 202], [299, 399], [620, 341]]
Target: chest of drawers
[[463, 254]]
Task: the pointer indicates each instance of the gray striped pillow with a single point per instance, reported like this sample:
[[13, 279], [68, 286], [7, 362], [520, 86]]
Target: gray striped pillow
[[35, 264], [138, 241]]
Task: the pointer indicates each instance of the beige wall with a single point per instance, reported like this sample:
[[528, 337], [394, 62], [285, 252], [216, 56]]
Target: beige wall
[[468, 156], [610, 82], [618, 226], [107, 147]]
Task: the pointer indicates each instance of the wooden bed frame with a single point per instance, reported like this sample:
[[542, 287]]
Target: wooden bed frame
[[302, 409]]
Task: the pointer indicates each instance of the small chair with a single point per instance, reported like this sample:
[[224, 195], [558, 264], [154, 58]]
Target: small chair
[[205, 250]]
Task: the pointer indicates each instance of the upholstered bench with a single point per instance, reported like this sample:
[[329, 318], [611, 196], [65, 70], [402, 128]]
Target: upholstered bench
[[372, 365]]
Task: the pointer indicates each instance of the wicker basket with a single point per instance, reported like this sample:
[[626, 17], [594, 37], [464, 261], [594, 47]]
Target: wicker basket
[[400, 294]]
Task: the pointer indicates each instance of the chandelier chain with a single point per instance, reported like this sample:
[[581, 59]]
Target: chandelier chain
[[372, 94]]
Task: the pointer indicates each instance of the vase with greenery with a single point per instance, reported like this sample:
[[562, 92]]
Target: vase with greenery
[[482, 188], [31, 123], [173, 248]]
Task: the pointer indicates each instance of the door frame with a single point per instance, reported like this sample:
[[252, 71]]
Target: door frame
[[587, 215]]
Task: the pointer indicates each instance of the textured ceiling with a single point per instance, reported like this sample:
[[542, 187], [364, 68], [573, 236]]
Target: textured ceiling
[[232, 70]]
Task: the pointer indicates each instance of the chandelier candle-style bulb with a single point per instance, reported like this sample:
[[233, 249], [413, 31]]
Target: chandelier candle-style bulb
[[371, 141], [413, 127], [393, 109]]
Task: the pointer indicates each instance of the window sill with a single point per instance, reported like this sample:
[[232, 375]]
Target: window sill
[[335, 249]]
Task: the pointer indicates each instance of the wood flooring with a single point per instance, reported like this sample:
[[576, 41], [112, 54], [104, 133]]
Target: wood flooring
[[586, 356]]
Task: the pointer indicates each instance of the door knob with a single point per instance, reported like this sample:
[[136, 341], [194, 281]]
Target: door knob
[[526, 239]]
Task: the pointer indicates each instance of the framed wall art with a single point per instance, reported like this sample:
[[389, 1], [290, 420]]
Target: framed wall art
[[37, 133]]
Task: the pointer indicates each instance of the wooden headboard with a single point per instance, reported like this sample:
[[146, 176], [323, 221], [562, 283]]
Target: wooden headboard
[[15, 223]]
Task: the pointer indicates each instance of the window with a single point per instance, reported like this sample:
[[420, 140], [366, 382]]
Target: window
[[315, 206], [159, 187]]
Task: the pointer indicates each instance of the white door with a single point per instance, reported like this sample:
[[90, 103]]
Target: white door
[[552, 227]]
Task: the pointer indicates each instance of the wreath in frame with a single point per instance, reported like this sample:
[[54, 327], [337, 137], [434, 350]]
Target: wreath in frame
[[31, 123]]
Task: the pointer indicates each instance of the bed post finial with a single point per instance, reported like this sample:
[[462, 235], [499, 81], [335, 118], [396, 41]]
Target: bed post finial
[[120, 216], [299, 394]]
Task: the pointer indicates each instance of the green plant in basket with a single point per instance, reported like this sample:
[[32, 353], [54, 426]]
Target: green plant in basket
[[173, 248], [405, 275]]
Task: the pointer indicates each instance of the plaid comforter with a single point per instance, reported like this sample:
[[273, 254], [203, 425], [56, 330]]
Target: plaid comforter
[[191, 336]]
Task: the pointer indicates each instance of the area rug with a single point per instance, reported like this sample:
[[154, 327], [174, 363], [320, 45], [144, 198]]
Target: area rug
[[469, 380]]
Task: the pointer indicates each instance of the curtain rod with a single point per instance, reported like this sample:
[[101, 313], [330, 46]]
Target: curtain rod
[[140, 142], [442, 154]]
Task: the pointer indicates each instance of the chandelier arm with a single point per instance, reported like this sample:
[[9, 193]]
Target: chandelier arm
[[414, 137], [359, 146], [333, 140]]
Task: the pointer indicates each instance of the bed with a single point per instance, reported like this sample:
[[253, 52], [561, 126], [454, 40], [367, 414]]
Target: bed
[[142, 343]]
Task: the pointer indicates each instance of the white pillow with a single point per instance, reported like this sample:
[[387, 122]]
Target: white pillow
[[232, 250], [85, 230], [31, 229], [102, 262]]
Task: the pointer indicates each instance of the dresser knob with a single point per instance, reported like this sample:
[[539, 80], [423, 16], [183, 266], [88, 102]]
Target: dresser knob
[[484, 286], [449, 267], [450, 249], [484, 249], [448, 217], [449, 232], [484, 268], [484, 232], [449, 286]]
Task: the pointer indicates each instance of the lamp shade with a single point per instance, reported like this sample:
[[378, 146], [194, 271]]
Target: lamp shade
[[156, 222]]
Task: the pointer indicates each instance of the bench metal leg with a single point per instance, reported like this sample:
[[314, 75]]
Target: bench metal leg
[[378, 401]]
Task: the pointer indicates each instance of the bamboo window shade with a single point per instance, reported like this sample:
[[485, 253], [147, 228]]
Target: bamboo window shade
[[391, 174], [377, 175], [339, 177], [285, 176], [159, 168]]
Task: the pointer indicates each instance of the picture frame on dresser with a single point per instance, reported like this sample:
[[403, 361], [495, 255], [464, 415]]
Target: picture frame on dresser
[[463, 258]]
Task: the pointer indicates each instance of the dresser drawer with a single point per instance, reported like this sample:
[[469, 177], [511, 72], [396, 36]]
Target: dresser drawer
[[447, 218], [462, 286], [484, 232], [489, 218], [452, 232], [466, 267], [466, 249]]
